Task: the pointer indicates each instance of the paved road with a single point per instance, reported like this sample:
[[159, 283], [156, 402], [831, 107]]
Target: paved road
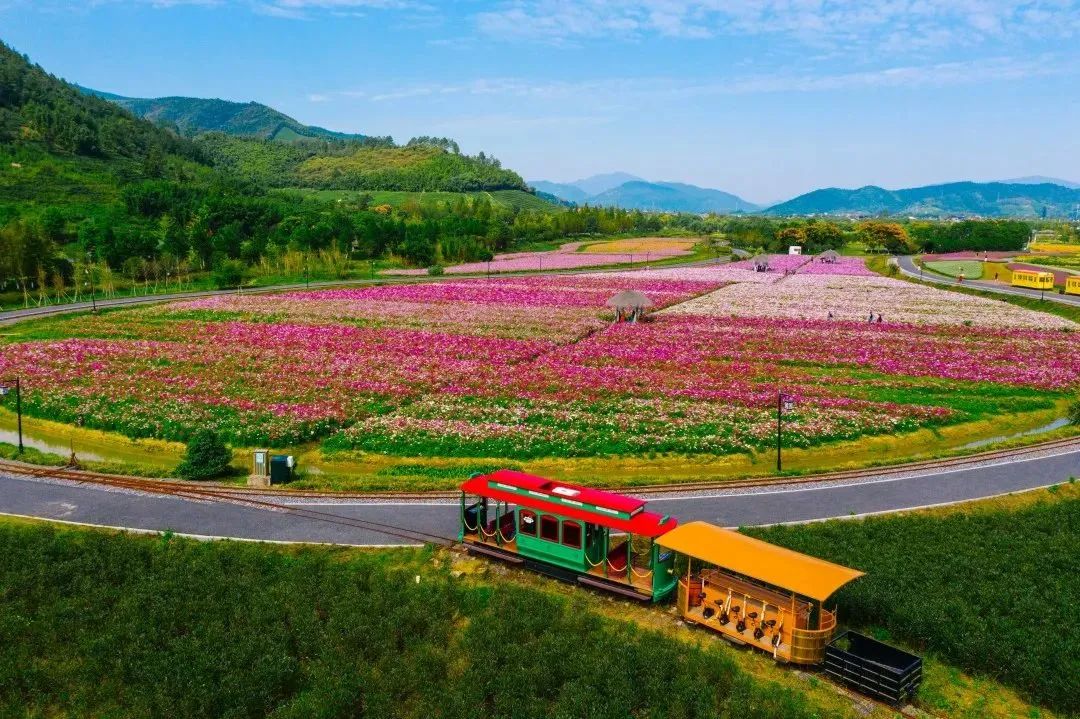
[[12, 316], [908, 267], [337, 522]]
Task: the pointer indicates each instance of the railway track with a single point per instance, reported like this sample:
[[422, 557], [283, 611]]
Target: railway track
[[252, 494], [217, 493]]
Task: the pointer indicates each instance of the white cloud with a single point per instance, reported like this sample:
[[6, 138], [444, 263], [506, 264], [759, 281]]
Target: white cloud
[[290, 9], [813, 22], [610, 93]]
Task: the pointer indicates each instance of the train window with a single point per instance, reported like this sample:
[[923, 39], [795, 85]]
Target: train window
[[527, 522], [549, 528], [571, 534]]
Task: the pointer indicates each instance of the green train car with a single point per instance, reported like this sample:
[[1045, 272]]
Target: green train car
[[599, 539]]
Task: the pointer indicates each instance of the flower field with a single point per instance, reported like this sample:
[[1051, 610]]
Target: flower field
[[854, 297], [566, 257], [655, 246], [530, 367]]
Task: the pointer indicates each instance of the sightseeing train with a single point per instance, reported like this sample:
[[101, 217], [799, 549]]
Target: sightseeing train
[[1033, 279], [1044, 281], [749, 591]]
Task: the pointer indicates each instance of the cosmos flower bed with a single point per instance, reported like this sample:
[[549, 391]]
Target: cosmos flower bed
[[566, 257], [557, 308], [840, 266], [532, 366], [852, 297]]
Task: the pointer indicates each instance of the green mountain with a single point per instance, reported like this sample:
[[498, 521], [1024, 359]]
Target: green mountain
[[40, 110], [671, 197], [192, 116], [562, 190], [619, 189], [58, 145], [986, 199]]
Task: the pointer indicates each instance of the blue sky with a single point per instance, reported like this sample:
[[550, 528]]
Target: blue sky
[[764, 98]]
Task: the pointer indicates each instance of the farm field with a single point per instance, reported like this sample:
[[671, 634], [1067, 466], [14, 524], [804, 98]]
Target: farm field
[[989, 587], [151, 634], [530, 369], [657, 246]]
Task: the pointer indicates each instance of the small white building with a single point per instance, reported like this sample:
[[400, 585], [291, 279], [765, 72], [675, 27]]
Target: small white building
[[794, 250]]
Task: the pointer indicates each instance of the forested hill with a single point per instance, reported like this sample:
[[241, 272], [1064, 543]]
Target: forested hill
[[251, 141], [988, 199], [424, 164], [40, 111], [192, 116]]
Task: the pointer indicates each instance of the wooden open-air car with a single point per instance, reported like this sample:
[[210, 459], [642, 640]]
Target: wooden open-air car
[[756, 593]]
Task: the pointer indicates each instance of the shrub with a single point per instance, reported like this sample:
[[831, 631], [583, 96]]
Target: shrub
[[1074, 412], [207, 457], [230, 273], [435, 270]]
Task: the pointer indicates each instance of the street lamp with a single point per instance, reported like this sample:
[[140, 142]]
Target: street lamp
[[5, 387], [93, 292], [784, 403]]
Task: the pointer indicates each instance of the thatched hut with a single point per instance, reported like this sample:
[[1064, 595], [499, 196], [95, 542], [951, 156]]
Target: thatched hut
[[629, 305], [829, 256], [760, 263]]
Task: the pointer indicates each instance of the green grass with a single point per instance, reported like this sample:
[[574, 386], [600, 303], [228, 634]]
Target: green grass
[[30, 455], [972, 269], [991, 590], [100, 624]]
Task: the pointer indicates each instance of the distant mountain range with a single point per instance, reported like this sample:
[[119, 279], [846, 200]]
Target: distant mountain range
[[620, 189], [192, 116], [1041, 180], [986, 199]]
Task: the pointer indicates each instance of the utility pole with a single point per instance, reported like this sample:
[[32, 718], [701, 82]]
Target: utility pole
[[93, 290], [779, 423], [784, 403]]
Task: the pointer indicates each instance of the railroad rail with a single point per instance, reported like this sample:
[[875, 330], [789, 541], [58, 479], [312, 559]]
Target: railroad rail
[[217, 493], [248, 494]]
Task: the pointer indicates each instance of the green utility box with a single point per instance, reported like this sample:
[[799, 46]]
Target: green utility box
[[281, 468]]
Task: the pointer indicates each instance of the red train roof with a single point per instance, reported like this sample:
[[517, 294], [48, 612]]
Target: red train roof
[[589, 505]]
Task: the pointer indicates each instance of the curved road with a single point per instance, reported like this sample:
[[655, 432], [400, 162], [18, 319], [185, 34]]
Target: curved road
[[329, 521], [908, 268]]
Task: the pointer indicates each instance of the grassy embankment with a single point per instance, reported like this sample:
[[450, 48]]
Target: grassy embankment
[[105, 624]]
